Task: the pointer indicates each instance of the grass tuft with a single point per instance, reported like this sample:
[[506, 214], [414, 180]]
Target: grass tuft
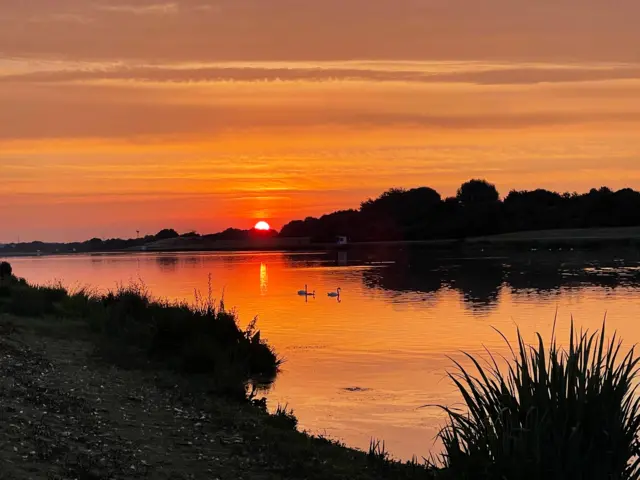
[[284, 418], [553, 414], [378, 453]]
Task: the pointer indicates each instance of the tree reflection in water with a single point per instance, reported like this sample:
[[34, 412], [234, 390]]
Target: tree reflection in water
[[481, 281]]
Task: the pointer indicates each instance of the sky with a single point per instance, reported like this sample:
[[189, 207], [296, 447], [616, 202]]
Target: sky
[[117, 116]]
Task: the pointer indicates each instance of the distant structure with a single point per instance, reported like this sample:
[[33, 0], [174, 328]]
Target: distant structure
[[341, 240]]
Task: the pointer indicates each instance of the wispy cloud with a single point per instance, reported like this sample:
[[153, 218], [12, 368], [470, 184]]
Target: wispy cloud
[[270, 30], [152, 9], [416, 72], [62, 18]]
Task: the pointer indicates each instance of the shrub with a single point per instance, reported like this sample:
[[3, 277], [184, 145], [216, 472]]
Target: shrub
[[555, 414], [25, 300], [5, 270], [284, 418], [197, 339], [133, 328], [81, 303]]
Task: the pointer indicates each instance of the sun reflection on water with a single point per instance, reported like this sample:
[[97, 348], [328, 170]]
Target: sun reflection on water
[[264, 279]]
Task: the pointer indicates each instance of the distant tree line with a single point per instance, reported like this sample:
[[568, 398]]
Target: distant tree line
[[476, 210], [237, 234], [119, 244], [95, 244]]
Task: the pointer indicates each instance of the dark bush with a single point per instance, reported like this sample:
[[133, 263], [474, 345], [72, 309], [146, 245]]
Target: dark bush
[[24, 300], [199, 339], [554, 414], [5, 270], [284, 418]]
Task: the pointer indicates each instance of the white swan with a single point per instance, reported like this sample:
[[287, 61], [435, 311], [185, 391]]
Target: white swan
[[335, 294], [306, 292]]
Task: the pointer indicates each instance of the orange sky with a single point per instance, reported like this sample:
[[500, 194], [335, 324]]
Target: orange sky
[[194, 114]]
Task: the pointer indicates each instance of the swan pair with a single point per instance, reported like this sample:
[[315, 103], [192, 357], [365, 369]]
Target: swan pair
[[307, 293]]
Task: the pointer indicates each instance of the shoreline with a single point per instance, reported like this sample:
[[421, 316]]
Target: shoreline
[[125, 386], [588, 238], [71, 414]]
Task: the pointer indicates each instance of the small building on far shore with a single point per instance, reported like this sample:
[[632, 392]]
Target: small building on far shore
[[342, 240]]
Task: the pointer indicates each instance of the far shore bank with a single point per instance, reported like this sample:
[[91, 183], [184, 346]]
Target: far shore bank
[[517, 241]]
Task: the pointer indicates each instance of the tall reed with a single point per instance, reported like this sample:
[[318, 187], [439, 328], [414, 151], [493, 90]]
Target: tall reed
[[552, 414]]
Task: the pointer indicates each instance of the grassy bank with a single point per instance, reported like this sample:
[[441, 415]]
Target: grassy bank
[[177, 406], [133, 329]]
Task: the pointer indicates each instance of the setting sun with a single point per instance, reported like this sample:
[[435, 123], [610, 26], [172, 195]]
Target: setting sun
[[262, 225]]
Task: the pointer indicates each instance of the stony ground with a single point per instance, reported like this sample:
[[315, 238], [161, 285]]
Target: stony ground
[[65, 414]]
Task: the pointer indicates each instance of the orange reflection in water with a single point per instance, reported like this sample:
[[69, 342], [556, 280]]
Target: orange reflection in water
[[264, 279], [361, 367]]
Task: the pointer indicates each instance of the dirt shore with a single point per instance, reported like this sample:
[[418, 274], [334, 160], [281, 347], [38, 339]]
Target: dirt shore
[[66, 414]]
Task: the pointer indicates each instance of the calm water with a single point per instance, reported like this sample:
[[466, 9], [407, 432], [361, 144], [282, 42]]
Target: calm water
[[362, 367]]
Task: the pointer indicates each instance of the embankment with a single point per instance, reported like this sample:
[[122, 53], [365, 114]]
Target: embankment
[[124, 386]]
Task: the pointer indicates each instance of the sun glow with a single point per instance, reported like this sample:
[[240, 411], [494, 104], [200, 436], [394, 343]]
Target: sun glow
[[262, 225]]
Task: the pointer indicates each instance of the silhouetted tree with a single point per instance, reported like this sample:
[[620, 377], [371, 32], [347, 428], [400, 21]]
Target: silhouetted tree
[[626, 207], [5, 270], [253, 233], [229, 234], [534, 210], [166, 234], [476, 192], [481, 208], [95, 243]]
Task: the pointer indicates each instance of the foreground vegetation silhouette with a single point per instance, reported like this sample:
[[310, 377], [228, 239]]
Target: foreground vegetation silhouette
[[554, 414], [476, 210], [5, 271], [133, 329]]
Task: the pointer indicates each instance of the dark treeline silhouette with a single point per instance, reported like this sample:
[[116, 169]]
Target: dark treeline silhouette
[[119, 244], [238, 234], [93, 245], [476, 210]]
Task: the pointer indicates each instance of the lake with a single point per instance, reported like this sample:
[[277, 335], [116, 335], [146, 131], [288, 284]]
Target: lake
[[362, 367]]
